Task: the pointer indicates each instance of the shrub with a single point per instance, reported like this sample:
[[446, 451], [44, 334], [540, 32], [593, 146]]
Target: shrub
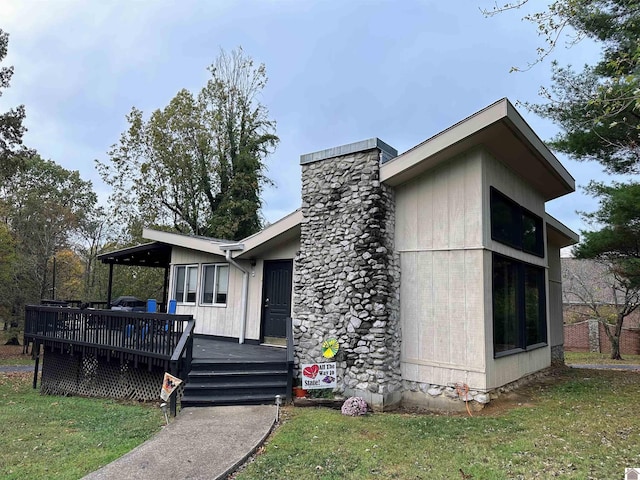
[[354, 406]]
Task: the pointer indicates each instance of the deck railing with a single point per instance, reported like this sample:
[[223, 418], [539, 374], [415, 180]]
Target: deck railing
[[153, 335], [154, 339], [290, 357]]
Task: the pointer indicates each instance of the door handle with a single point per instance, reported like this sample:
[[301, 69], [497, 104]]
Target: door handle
[[266, 302]]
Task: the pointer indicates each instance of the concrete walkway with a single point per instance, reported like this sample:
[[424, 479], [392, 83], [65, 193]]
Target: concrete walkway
[[204, 443], [594, 366]]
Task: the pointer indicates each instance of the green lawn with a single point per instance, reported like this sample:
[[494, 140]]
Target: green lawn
[[46, 437], [12, 354], [572, 358], [585, 425]]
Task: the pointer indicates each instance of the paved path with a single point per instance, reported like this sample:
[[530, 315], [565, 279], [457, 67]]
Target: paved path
[[16, 368], [204, 443], [635, 368]]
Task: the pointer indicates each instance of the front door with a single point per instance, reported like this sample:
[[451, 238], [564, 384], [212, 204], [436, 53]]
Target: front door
[[276, 299]]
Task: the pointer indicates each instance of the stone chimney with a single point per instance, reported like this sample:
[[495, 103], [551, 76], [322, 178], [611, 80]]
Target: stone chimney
[[347, 279]]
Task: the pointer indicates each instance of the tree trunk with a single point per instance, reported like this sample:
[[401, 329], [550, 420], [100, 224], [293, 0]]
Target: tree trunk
[[615, 348], [614, 338]]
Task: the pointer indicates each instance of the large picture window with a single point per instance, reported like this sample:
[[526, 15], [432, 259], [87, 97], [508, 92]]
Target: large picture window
[[519, 306], [515, 226], [185, 283], [215, 284]]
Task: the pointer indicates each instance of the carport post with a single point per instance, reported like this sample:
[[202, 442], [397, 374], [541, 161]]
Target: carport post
[[165, 299], [110, 286]]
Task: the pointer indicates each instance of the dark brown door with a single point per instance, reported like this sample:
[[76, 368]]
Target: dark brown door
[[276, 297]]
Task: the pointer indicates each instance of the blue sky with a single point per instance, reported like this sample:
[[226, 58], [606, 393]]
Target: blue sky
[[339, 72]]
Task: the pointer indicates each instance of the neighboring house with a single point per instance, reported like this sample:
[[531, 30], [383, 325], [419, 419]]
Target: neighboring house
[[433, 269], [588, 284]]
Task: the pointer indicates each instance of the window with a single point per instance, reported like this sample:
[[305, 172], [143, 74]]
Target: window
[[515, 226], [215, 284], [185, 284], [519, 306]]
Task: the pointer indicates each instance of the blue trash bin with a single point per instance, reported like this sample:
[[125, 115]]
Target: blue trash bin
[[172, 306], [152, 305]]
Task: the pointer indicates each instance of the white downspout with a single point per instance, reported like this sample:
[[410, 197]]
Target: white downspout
[[245, 292]]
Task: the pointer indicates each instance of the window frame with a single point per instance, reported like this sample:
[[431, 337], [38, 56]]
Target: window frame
[[521, 269], [519, 214], [215, 283], [185, 285]]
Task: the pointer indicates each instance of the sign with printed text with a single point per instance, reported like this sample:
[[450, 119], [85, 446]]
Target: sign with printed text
[[318, 375]]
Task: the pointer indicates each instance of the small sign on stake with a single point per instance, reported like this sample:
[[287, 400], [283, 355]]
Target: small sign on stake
[[169, 384], [318, 375]]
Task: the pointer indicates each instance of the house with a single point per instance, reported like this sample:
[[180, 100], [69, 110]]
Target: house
[[437, 270]]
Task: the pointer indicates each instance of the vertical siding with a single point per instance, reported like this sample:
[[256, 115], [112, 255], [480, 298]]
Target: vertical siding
[[442, 209], [507, 369], [438, 236], [556, 330], [443, 235]]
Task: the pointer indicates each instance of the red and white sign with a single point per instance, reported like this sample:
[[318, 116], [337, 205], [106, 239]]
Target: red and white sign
[[318, 375]]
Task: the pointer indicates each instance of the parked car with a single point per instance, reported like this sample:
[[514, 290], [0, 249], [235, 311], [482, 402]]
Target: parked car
[[128, 303]]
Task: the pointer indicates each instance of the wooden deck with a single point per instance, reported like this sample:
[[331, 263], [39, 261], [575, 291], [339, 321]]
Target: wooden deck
[[217, 371], [209, 348]]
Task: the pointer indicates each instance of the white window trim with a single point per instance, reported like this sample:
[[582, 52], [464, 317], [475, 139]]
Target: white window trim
[[215, 283], [186, 276]]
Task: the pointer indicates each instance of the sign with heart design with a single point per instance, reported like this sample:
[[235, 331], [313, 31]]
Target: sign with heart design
[[311, 371], [318, 375]]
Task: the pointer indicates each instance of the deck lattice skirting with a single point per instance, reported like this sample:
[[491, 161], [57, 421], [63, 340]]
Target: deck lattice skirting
[[95, 376], [102, 353]]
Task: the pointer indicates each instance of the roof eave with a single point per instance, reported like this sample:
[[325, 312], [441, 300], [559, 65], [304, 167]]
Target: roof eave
[[501, 130], [559, 233]]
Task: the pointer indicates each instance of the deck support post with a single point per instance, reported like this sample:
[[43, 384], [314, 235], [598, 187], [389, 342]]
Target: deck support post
[[35, 350]]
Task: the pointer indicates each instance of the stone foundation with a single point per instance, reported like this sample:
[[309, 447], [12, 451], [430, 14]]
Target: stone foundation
[[557, 355], [453, 399]]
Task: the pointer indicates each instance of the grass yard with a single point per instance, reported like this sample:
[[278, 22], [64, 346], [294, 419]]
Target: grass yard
[[46, 437], [572, 358], [585, 424], [12, 354]]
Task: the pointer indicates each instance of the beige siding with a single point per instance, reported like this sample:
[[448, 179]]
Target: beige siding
[[556, 327], [227, 320], [507, 369], [442, 209], [439, 237], [211, 320], [441, 311], [443, 235]]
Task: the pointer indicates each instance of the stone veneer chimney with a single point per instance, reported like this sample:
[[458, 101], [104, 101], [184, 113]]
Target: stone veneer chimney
[[347, 275]]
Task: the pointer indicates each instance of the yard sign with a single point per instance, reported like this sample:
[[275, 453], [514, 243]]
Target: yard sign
[[318, 375], [169, 384]]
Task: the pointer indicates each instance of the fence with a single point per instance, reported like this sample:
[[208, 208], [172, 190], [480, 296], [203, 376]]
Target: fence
[[590, 336]]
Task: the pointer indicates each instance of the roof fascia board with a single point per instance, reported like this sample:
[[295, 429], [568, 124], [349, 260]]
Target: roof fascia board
[[272, 231], [539, 146], [569, 236], [448, 137], [501, 111], [185, 241]]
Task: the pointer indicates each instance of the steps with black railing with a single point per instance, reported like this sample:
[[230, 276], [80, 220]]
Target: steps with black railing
[[235, 382]]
